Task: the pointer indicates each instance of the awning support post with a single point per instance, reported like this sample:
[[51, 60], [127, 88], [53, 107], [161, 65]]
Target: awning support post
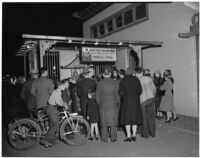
[[24, 65]]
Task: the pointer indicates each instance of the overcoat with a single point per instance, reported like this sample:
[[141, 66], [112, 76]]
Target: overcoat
[[167, 101], [82, 91], [26, 94], [107, 99], [130, 90], [42, 89]]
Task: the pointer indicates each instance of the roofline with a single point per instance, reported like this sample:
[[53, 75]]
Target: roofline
[[27, 45], [62, 38]]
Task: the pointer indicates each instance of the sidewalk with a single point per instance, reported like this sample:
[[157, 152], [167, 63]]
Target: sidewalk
[[169, 142]]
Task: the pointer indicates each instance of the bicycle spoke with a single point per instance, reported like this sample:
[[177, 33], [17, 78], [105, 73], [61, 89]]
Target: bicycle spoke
[[66, 133], [24, 134]]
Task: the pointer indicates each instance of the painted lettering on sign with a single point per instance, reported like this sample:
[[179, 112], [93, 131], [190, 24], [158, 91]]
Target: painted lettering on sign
[[91, 54]]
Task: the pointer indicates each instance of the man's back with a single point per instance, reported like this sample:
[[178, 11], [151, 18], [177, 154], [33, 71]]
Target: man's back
[[148, 88], [26, 93], [107, 91], [85, 85], [42, 88]]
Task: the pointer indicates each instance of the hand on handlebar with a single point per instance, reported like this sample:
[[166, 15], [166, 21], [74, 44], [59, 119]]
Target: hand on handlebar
[[65, 106], [70, 102]]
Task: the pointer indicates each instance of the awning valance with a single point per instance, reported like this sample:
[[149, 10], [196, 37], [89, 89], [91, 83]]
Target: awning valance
[[31, 40]]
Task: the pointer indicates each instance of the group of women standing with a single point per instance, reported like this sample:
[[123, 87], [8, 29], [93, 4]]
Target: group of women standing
[[165, 96]]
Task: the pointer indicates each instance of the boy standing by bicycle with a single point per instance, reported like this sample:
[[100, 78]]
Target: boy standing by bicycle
[[55, 100]]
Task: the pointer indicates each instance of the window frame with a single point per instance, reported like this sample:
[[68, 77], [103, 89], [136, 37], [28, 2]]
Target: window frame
[[110, 20], [131, 15], [113, 18]]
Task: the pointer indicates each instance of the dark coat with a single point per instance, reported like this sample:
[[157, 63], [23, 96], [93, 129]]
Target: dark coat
[[26, 94], [82, 91], [130, 90], [107, 99]]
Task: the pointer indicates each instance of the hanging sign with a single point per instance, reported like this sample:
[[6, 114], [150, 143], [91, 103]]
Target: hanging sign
[[92, 54]]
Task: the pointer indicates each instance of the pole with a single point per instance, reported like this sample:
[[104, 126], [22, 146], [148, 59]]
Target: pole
[[24, 65]]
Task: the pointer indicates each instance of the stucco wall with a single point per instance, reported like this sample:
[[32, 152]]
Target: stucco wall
[[166, 20]]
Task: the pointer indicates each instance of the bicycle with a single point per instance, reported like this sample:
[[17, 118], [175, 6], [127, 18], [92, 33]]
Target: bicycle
[[26, 132]]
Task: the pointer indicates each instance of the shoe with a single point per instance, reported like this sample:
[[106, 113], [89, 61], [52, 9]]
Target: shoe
[[113, 140], [46, 144], [90, 138], [96, 138], [105, 141], [133, 139], [127, 139], [167, 121], [160, 117], [174, 119]]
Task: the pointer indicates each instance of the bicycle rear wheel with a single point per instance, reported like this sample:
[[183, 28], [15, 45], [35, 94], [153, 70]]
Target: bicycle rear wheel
[[75, 131], [24, 134]]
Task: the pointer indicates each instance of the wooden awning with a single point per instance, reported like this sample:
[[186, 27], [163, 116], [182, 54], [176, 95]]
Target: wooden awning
[[31, 40]]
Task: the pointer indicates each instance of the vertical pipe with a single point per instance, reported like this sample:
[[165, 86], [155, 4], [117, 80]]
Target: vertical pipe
[[197, 69], [50, 64], [25, 65], [53, 74], [54, 58], [47, 62], [141, 58], [58, 64], [58, 59]]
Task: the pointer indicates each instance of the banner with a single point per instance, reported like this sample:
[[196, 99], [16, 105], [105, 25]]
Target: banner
[[92, 54]]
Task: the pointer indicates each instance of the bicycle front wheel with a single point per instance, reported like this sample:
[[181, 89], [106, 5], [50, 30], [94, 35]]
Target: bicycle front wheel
[[24, 134], [75, 131]]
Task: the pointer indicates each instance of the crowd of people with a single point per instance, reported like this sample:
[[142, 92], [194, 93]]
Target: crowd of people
[[131, 99]]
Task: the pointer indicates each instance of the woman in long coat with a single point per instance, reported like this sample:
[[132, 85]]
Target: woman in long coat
[[107, 99], [130, 90], [167, 101]]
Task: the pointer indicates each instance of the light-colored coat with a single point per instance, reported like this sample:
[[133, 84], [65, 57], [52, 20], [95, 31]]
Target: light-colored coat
[[167, 101]]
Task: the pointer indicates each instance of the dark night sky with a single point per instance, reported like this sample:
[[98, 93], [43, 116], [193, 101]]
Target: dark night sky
[[35, 18]]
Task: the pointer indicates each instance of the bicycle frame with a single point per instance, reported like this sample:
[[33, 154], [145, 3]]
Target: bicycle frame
[[36, 128], [63, 115]]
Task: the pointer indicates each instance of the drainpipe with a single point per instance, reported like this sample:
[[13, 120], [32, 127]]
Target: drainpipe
[[24, 65]]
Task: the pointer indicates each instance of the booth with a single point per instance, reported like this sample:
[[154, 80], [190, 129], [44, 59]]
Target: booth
[[63, 55]]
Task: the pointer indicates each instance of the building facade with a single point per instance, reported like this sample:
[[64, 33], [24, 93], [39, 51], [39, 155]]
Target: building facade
[[156, 22]]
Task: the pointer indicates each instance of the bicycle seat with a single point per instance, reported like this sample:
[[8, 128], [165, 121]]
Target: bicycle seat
[[73, 114]]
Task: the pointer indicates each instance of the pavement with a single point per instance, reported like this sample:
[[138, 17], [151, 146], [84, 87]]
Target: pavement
[[169, 142]]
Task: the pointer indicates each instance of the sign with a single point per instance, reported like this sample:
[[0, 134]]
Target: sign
[[92, 54]]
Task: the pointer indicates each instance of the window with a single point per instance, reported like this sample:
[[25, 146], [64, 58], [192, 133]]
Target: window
[[110, 25], [95, 33], [140, 11], [128, 17], [101, 29], [118, 21]]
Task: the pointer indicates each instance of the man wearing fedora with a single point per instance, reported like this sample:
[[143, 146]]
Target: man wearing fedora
[[84, 86], [107, 98], [26, 93]]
